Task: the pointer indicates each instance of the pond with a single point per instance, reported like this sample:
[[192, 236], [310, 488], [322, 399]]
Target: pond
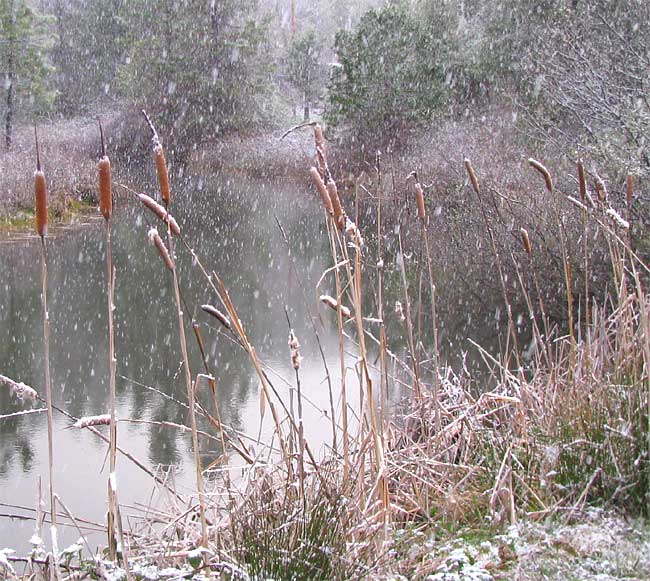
[[233, 225]]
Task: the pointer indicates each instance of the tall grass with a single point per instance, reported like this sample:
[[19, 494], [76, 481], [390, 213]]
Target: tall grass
[[572, 428]]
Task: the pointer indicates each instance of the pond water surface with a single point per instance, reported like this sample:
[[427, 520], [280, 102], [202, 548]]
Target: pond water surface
[[232, 225]]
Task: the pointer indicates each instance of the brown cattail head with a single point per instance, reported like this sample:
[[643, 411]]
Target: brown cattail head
[[419, 200], [601, 189], [582, 182], [217, 314], [163, 176], [526, 241], [321, 152], [104, 170], [105, 193], [545, 173], [151, 204], [322, 190], [156, 240], [40, 193], [472, 176], [629, 190], [339, 214]]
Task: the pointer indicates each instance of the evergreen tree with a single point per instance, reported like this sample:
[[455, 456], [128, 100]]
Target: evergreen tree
[[23, 63]]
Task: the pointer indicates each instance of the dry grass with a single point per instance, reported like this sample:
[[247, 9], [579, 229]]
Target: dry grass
[[571, 430]]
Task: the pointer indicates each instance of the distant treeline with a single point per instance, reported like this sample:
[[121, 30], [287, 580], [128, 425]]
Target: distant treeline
[[575, 71]]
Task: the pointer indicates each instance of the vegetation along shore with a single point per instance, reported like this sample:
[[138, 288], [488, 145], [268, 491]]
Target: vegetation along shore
[[431, 362]]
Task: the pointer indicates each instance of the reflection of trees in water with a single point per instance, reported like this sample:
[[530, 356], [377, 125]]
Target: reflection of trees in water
[[235, 233]]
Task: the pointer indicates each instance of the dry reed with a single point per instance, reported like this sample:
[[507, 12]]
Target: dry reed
[[40, 192]]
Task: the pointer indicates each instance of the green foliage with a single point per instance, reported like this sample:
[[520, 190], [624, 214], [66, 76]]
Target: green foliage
[[88, 54], [199, 69], [391, 71], [23, 56], [291, 540], [304, 70]]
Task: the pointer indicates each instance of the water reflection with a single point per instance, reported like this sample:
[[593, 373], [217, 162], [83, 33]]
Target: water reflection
[[233, 226]]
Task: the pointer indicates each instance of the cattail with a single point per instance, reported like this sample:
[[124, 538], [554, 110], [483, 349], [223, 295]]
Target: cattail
[[40, 194], [217, 314], [601, 189], [332, 303], [472, 176], [617, 218], [159, 211], [156, 240], [321, 152], [322, 190], [296, 358], [88, 421], [104, 168], [629, 190], [419, 199], [582, 182], [526, 241], [105, 194], [20, 390], [339, 214], [545, 173], [163, 176]]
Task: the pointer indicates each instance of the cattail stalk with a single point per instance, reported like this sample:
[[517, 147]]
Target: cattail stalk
[[511, 324], [40, 193], [322, 190], [168, 258], [585, 197], [106, 208], [419, 199], [339, 214], [161, 163], [629, 192], [383, 342], [536, 165]]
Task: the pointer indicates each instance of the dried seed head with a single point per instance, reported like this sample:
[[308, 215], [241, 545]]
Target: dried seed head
[[40, 194], [526, 241], [105, 193], [321, 152], [339, 214], [472, 176], [163, 175], [601, 189], [353, 232], [151, 204], [419, 200], [617, 218], [293, 348], [333, 304], [545, 173], [217, 314], [582, 182], [322, 190], [156, 240], [88, 421], [399, 311], [20, 390]]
